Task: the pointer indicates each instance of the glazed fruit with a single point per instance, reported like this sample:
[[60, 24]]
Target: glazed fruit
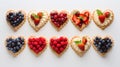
[[58, 19], [36, 18], [37, 45], [59, 45], [15, 18], [15, 45], [80, 18], [103, 45]]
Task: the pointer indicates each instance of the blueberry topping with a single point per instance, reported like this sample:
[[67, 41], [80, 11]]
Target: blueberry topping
[[15, 18], [103, 45], [15, 45]]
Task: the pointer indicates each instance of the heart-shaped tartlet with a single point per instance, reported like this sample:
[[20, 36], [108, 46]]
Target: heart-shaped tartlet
[[80, 19], [103, 19], [37, 19], [37, 44], [15, 45], [80, 44], [59, 45], [59, 19], [15, 19], [102, 44]]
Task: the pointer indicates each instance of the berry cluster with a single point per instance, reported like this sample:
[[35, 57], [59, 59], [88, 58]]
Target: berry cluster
[[59, 44], [103, 45], [15, 45], [58, 18], [37, 44], [15, 18]]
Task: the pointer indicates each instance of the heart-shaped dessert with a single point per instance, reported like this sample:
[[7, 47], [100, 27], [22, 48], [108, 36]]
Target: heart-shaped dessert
[[59, 45], [37, 19], [80, 19], [15, 19], [102, 44], [59, 19], [15, 45], [80, 44], [37, 44], [103, 19]]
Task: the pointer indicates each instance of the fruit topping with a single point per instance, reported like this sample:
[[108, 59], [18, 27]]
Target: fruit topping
[[101, 16], [58, 18], [37, 44], [103, 45], [107, 14], [36, 18], [59, 44], [15, 18], [15, 45], [81, 43], [80, 19]]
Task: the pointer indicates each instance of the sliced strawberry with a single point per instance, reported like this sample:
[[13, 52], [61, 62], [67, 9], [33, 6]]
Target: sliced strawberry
[[102, 18], [81, 46], [40, 14], [76, 20], [87, 13], [84, 40], [107, 14]]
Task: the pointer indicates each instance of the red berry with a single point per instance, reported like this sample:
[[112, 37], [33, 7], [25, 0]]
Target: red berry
[[61, 49], [107, 14], [58, 45]]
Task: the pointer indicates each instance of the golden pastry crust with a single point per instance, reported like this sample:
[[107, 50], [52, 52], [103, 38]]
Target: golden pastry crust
[[17, 53], [58, 29], [97, 22], [102, 54], [41, 23], [59, 55], [40, 51], [21, 24], [83, 25], [74, 47]]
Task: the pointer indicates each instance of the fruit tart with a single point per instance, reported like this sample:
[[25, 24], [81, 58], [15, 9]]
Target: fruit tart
[[59, 44], [37, 19], [80, 19], [59, 19], [15, 19], [80, 44], [103, 19]]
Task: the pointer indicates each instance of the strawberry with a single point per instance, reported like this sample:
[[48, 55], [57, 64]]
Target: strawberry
[[40, 14], [76, 20], [81, 46], [100, 16], [36, 21], [84, 40], [87, 14], [107, 14]]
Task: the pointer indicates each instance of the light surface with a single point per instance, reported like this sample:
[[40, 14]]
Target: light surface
[[69, 58]]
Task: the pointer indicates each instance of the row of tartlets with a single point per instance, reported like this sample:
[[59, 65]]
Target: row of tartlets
[[80, 44], [37, 19]]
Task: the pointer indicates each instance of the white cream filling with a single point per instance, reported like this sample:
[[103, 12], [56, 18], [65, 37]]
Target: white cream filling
[[107, 20], [74, 45]]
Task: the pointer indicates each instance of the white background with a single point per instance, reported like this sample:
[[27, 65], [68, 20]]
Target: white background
[[69, 58]]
